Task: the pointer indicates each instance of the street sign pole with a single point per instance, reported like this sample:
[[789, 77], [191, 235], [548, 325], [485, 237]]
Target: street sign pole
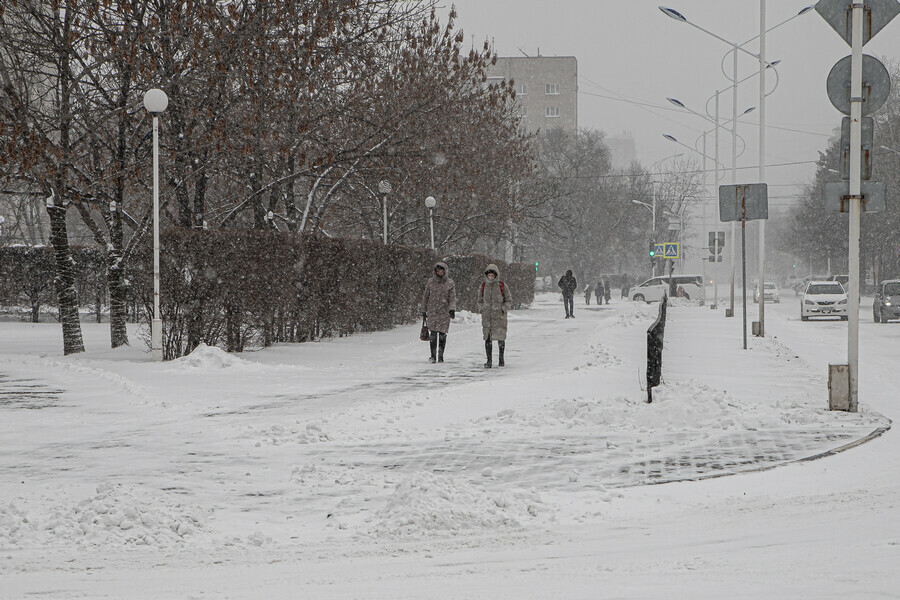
[[716, 187], [856, 44], [744, 267], [762, 165]]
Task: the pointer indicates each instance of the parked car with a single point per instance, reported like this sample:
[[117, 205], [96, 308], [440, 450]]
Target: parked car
[[771, 292], [823, 299], [800, 285], [654, 289], [887, 301], [841, 279]]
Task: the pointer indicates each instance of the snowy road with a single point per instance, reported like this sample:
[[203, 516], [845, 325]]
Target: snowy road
[[353, 468]]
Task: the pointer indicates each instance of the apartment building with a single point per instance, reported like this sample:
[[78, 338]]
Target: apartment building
[[546, 89]]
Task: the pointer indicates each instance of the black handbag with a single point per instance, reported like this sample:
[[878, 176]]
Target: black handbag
[[423, 335]]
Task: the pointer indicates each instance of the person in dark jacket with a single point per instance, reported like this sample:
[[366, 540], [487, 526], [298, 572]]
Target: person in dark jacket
[[438, 307], [587, 294], [607, 292], [493, 304], [568, 285], [600, 291]]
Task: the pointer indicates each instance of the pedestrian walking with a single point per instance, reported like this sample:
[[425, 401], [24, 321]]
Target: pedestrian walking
[[587, 294], [626, 285], [438, 307], [568, 285], [493, 305], [600, 291], [607, 292]]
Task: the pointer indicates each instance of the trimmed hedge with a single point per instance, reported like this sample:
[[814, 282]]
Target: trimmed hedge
[[240, 287]]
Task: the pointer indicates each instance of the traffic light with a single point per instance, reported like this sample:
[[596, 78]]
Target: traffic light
[[652, 249], [536, 263]]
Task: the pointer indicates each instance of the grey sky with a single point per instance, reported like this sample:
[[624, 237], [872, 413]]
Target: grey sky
[[630, 52]]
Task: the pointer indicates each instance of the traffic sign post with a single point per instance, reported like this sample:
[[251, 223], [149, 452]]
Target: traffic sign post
[[744, 202], [856, 23]]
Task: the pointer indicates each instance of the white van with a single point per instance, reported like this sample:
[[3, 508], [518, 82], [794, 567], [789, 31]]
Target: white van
[[654, 289]]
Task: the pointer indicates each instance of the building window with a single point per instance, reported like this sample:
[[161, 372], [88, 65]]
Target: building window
[[524, 111], [551, 111], [523, 89], [551, 89]]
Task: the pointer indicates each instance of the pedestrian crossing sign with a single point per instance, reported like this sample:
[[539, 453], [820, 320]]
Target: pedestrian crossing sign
[[668, 250]]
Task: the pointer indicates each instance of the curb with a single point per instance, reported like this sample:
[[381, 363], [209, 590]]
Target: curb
[[848, 446]]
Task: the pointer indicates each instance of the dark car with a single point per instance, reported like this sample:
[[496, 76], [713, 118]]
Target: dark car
[[887, 301]]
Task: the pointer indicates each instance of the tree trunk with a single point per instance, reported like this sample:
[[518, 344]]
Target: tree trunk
[[65, 280], [118, 300]]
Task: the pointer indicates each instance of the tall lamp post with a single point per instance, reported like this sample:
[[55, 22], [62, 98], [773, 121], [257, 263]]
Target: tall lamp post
[[763, 64], [430, 203], [714, 251], [156, 101]]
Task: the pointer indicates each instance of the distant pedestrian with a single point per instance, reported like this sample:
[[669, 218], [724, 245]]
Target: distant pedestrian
[[600, 291], [493, 305], [587, 294], [607, 292], [568, 285], [626, 285], [438, 307]]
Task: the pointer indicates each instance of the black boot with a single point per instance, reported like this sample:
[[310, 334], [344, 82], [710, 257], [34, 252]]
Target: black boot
[[442, 342], [487, 351], [432, 339], [501, 346]]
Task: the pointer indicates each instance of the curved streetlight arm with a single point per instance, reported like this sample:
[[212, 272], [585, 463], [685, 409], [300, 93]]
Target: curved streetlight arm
[[739, 137], [802, 12], [674, 14], [644, 204], [769, 65], [675, 140], [680, 104]]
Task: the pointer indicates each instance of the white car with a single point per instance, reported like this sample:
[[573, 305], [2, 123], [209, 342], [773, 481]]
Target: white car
[[823, 299], [654, 289], [770, 291]]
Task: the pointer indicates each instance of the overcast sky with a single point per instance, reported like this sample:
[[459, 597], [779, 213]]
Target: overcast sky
[[631, 57]]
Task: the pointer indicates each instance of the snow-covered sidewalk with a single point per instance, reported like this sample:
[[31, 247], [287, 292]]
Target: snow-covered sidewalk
[[359, 447]]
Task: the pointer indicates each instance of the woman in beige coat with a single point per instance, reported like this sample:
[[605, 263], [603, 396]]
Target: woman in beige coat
[[438, 307], [493, 305]]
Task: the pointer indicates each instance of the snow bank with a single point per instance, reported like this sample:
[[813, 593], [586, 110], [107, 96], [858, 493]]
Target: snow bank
[[209, 357], [425, 503], [114, 515]]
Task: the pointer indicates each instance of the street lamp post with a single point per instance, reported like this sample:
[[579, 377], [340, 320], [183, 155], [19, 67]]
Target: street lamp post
[[674, 14], [384, 187], [156, 101], [735, 136], [430, 202]]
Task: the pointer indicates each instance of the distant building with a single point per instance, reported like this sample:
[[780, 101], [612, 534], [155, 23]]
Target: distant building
[[623, 150], [546, 89]]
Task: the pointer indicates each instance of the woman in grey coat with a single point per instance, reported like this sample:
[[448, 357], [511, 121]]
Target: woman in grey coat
[[438, 307], [493, 305]]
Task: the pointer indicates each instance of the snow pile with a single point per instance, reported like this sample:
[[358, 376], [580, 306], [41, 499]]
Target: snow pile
[[677, 302], [426, 503], [637, 314], [114, 515], [209, 357]]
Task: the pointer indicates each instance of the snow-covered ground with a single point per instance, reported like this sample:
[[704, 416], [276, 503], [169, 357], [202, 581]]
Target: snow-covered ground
[[353, 468]]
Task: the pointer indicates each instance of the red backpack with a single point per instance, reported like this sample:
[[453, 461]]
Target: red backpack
[[502, 291]]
